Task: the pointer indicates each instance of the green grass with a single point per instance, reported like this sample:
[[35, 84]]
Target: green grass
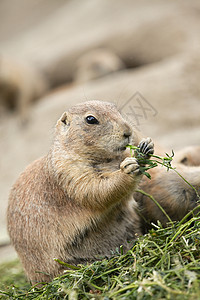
[[163, 264], [12, 277]]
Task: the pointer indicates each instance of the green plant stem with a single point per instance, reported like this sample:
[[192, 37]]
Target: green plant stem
[[156, 202], [198, 196], [66, 264], [189, 214], [174, 169], [152, 163]]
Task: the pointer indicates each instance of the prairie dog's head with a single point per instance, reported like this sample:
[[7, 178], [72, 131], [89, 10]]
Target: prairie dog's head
[[95, 130], [97, 63]]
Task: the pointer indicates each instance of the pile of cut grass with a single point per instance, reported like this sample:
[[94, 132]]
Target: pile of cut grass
[[163, 264]]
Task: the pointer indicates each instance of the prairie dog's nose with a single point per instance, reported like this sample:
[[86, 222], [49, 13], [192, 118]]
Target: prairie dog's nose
[[127, 132]]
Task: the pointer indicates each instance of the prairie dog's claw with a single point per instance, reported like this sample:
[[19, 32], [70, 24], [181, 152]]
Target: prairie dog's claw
[[146, 146], [129, 165]]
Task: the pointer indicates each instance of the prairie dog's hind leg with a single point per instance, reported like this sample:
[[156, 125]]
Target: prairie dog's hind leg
[[175, 196]]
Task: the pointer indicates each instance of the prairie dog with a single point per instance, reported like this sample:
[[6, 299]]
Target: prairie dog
[[20, 85], [174, 195], [189, 156], [97, 63], [76, 203]]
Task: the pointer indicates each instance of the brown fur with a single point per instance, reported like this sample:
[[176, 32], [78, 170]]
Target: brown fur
[[20, 85], [170, 190], [97, 63], [189, 156], [76, 204]]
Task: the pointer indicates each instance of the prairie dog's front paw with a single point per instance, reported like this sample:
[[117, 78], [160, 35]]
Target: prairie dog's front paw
[[146, 147], [130, 165]]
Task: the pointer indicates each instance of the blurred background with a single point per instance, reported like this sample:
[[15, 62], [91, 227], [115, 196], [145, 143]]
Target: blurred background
[[142, 55]]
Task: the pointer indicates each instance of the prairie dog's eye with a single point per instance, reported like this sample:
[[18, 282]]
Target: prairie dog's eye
[[91, 120]]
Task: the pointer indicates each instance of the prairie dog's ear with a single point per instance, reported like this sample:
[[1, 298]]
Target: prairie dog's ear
[[65, 119]]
